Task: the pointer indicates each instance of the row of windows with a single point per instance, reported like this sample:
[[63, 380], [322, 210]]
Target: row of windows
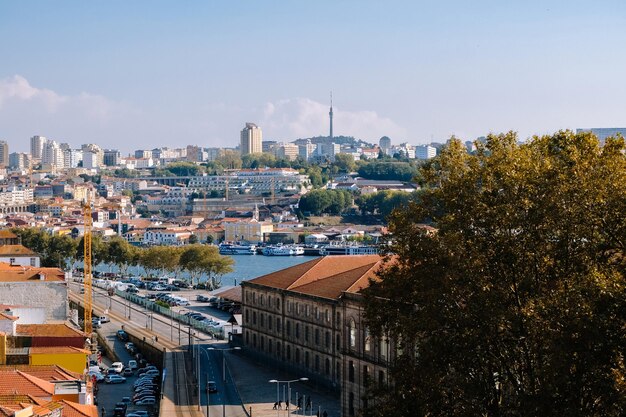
[[309, 336], [274, 348], [368, 340], [312, 311], [272, 302]]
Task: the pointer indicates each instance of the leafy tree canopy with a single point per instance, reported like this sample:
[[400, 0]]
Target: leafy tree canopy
[[516, 304]]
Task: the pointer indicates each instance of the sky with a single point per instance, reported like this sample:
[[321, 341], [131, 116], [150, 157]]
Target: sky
[[142, 74]]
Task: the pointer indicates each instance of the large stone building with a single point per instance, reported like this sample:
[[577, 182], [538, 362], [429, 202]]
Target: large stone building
[[310, 318]]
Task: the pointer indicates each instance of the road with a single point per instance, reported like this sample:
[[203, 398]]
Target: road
[[226, 401]]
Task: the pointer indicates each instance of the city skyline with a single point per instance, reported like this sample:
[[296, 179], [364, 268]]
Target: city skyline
[[145, 75]]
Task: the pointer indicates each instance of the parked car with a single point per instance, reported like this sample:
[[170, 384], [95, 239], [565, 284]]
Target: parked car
[[127, 372], [95, 323], [146, 401], [104, 319], [122, 404], [98, 375], [114, 379], [132, 364], [122, 335]]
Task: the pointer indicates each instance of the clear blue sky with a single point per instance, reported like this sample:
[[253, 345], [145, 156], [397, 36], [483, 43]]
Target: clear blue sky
[[140, 74]]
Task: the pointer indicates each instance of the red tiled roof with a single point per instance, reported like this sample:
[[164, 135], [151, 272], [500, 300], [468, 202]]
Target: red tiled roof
[[18, 273], [17, 382], [16, 250], [48, 330], [73, 409], [45, 372], [325, 277], [7, 234]]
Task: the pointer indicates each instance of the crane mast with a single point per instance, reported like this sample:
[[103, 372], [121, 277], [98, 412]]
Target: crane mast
[[87, 265]]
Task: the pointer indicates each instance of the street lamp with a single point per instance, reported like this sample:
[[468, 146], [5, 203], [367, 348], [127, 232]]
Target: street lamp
[[224, 359], [224, 372], [277, 382]]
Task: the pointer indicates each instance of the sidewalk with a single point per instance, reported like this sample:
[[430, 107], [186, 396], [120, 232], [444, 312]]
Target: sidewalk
[[251, 378]]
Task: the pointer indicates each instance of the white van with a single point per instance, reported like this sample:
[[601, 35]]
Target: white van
[[117, 367]]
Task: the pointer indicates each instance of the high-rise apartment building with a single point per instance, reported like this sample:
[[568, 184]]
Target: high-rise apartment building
[[425, 152], [251, 139], [19, 161], [288, 151], [52, 155], [4, 154], [93, 148], [36, 146]]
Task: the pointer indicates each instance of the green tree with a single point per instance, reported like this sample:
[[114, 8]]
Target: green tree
[[61, 250], [516, 304], [344, 162], [229, 160], [182, 168], [121, 253], [203, 259], [160, 259]]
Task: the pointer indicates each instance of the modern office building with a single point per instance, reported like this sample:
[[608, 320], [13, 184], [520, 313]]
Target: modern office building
[[288, 151], [604, 132], [4, 154], [36, 146], [251, 139], [425, 152], [112, 157]]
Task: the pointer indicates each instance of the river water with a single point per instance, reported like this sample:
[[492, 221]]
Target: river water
[[245, 267]]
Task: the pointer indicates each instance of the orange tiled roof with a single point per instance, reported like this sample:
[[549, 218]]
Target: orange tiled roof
[[16, 250], [232, 294], [17, 382], [45, 372], [73, 409], [48, 330], [18, 273], [7, 234], [38, 350], [325, 277]]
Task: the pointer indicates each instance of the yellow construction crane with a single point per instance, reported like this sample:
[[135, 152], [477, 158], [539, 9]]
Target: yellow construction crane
[[87, 264]]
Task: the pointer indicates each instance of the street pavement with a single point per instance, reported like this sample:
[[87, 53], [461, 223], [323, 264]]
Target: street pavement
[[247, 380]]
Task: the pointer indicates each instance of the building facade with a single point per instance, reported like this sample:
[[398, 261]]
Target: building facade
[[309, 317], [251, 139], [36, 146], [4, 154]]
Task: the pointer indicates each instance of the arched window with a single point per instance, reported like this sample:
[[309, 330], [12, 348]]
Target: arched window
[[352, 330], [367, 342]]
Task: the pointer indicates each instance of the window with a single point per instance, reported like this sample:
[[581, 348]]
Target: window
[[262, 342], [262, 320], [278, 349], [277, 303], [338, 319], [12, 261], [306, 333], [351, 404], [317, 336], [297, 355], [327, 340], [269, 322], [306, 359], [288, 352], [352, 330], [288, 328], [297, 330], [33, 262], [254, 317], [338, 342], [367, 343], [327, 368], [384, 347], [381, 378], [269, 345], [254, 298], [317, 363], [351, 371], [289, 306], [262, 299], [327, 315], [366, 375], [338, 369], [247, 320], [278, 329], [306, 310]]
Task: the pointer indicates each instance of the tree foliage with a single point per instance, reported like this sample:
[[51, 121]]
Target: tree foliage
[[384, 202], [325, 201], [516, 304], [54, 250], [203, 259], [384, 170]]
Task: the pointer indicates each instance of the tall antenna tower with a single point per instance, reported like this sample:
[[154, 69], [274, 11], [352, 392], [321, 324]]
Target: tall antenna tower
[[330, 114]]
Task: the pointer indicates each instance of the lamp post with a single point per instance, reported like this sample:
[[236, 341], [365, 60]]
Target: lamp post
[[207, 380], [277, 382], [224, 372]]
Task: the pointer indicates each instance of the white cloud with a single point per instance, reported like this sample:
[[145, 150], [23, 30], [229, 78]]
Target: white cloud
[[16, 91], [294, 118]]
